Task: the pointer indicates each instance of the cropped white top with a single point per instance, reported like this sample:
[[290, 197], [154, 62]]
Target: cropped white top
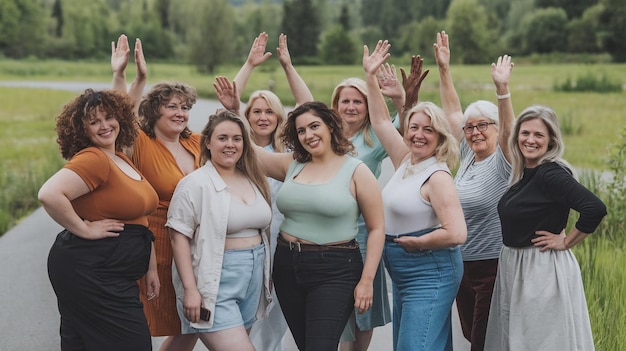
[[248, 220]]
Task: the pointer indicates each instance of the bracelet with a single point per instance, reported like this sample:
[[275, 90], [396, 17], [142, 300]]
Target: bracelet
[[502, 97]]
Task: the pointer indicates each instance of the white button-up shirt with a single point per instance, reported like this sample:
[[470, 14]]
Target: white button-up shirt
[[199, 210]]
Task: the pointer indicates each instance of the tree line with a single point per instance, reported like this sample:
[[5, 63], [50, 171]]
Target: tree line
[[207, 33]]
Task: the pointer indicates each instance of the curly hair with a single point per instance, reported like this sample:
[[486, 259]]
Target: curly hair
[[248, 163], [339, 143], [71, 124], [160, 95]]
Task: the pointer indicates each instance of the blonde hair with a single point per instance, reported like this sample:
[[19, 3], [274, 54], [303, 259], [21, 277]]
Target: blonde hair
[[274, 103], [361, 86], [447, 150], [555, 142], [248, 162]]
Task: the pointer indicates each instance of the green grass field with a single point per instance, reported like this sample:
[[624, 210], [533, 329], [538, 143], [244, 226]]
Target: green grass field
[[29, 155], [28, 152]]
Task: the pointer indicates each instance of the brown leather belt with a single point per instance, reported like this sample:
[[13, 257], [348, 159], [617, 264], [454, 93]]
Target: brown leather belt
[[298, 246]]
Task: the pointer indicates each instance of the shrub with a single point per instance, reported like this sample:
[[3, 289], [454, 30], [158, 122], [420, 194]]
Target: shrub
[[338, 48], [589, 83]]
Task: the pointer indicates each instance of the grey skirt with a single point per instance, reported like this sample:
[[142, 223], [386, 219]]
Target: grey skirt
[[538, 303]]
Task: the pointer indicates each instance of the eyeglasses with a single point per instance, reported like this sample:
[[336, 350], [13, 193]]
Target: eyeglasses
[[482, 126]]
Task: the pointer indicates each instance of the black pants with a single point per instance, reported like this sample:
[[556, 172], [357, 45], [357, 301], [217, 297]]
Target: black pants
[[97, 292], [474, 299], [315, 290]]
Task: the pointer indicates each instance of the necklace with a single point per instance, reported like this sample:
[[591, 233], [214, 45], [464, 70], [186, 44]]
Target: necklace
[[418, 167]]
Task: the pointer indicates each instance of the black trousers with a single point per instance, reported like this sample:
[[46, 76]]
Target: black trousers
[[97, 292], [474, 299], [315, 290]]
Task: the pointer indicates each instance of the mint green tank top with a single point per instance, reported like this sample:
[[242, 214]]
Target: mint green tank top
[[320, 213]]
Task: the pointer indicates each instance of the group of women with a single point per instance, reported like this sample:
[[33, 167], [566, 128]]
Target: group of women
[[274, 220]]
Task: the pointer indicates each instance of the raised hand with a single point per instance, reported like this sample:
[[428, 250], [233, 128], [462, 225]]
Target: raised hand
[[501, 72], [413, 82], [442, 50], [120, 54], [388, 81], [140, 60], [141, 76], [283, 51], [298, 87], [257, 54], [227, 93], [371, 63]]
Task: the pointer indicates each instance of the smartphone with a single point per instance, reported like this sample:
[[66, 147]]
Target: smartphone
[[205, 314]]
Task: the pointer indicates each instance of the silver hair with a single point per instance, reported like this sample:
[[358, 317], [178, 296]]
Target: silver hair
[[481, 108]]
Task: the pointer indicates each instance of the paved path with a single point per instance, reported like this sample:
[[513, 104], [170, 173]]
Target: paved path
[[29, 319]]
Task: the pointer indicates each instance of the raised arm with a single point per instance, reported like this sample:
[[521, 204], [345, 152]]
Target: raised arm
[[119, 60], [298, 87], [141, 76], [257, 56], [501, 74], [449, 98], [411, 84], [391, 140], [227, 93], [390, 87], [274, 164]]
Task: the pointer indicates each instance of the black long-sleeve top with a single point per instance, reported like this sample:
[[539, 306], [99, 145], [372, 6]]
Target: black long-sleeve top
[[541, 200]]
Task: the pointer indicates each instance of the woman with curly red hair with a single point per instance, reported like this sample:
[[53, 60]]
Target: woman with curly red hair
[[103, 202]]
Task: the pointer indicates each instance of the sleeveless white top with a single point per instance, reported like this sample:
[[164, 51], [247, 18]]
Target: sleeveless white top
[[406, 211]]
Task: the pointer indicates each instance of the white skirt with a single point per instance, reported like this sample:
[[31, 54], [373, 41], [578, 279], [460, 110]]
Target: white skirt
[[538, 303]]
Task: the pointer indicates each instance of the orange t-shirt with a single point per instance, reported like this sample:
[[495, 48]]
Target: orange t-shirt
[[113, 195], [159, 166]]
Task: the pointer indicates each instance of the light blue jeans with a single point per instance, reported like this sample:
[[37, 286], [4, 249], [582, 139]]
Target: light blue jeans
[[425, 283]]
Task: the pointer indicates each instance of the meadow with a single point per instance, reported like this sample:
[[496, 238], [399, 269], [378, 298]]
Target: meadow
[[594, 127]]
